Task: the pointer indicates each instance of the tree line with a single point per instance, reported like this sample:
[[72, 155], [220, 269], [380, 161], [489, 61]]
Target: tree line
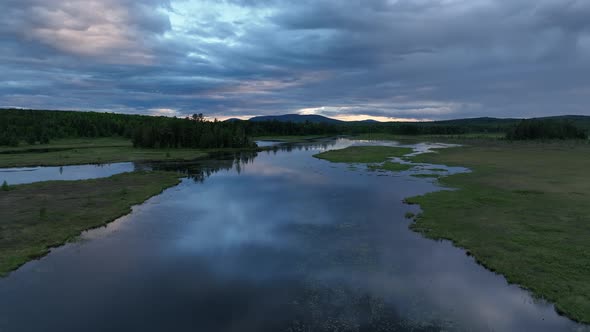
[[193, 132], [546, 129], [274, 127], [555, 128], [35, 126]]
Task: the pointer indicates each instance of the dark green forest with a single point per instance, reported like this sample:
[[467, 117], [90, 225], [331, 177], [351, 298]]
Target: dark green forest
[[546, 129], [33, 126], [268, 128], [274, 127], [549, 128], [39, 127]]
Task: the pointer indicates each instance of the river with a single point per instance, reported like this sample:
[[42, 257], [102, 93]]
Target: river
[[271, 241]]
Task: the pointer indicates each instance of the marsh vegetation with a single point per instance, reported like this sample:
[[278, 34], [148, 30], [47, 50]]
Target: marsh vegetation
[[523, 212], [35, 217], [363, 154], [90, 151]]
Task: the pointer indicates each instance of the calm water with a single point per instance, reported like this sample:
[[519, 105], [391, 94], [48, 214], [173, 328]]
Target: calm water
[[22, 175], [277, 241]]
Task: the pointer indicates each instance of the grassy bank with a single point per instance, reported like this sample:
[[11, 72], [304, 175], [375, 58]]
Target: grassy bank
[[70, 143], [363, 154], [429, 138], [35, 217], [522, 212], [88, 151]]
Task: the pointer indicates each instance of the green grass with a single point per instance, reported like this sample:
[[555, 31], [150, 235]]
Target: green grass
[[430, 138], [524, 212], [35, 217], [363, 154], [388, 137], [391, 166], [98, 155], [410, 215], [89, 151], [72, 143]]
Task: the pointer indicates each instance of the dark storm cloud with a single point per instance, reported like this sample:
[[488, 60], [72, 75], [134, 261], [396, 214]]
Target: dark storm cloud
[[426, 59]]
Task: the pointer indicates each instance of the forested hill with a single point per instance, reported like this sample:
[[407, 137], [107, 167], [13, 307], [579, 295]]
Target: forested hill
[[36, 126], [475, 124], [296, 118]]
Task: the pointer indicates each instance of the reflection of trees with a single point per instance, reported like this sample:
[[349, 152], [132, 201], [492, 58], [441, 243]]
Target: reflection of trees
[[288, 147], [199, 170]]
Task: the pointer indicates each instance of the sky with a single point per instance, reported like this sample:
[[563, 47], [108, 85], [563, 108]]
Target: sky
[[347, 59]]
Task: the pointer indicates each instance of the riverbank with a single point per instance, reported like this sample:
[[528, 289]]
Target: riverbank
[[409, 139], [363, 154], [36, 217], [76, 151], [523, 212], [89, 151]]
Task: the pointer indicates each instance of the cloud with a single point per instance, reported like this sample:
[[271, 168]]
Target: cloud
[[107, 30], [164, 112], [427, 59]]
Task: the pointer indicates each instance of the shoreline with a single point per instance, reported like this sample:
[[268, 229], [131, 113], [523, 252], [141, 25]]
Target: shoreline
[[511, 228], [68, 208]]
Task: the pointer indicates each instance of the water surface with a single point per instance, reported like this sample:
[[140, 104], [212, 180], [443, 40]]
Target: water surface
[[21, 175], [273, 241]]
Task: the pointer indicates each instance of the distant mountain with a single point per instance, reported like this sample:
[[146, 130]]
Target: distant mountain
[[582, 121], [297, 118], [233, 120]]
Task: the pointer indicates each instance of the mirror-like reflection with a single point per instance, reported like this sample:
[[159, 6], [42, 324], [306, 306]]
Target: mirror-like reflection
[[269, 241], [21, 175], [198, 169]]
